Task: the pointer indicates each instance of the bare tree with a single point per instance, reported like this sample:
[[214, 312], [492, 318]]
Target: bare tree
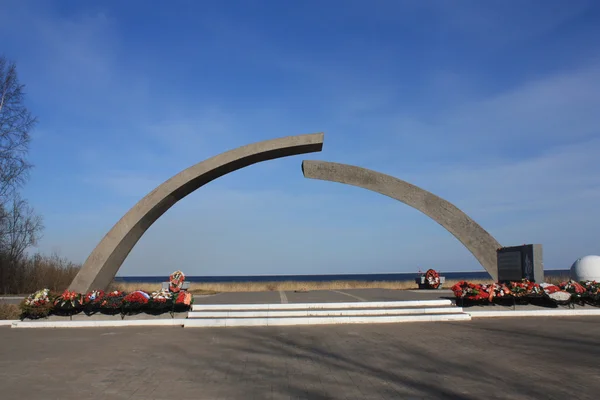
[[15, 124], [20, 227]]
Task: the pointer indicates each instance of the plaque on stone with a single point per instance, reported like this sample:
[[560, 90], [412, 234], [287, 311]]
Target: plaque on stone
[[521, 262], [509, 265]]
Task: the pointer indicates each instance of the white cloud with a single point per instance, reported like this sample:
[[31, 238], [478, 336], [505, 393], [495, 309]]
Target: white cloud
[[546, 181], [553, 110], [557, 107]]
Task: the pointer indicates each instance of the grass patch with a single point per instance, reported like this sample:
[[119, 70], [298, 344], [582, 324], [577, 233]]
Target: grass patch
[[132, 286], [556, 280], [152, 287], [9, 311], [202, 292], [288, 286]]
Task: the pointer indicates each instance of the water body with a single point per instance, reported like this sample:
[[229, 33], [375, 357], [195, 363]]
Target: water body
[[323, 278]]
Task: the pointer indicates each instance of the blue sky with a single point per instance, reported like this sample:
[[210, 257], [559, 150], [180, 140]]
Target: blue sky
[[491, 105]]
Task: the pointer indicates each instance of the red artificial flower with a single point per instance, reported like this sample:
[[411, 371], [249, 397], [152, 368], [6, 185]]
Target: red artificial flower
[[573, 287], [551, 289], [136, 297], [458, 288], [578, 288], [68, 295], [99, 295], [183, 298]]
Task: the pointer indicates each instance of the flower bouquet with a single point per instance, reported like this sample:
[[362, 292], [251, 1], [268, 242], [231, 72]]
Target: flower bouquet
[[135, 301], [471, 291], [37, 305], [549, 288], [182, 301], [112, 302], [527, 292], [500, 293], [432, 279], [534, 290], [576, 290], [555, 293], [68, 303], [592, 295], [92, 301], [161, 301], [176, 280]]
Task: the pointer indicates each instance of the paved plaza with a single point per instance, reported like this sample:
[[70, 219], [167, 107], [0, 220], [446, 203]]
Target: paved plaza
[[323, 296], [355, 295], [509, 358]]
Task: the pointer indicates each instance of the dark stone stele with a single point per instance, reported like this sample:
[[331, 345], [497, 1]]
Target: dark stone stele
[[476, 239], [105, 260], [521, 262]]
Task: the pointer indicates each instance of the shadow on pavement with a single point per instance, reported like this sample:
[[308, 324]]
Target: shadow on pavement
[[478, 360]]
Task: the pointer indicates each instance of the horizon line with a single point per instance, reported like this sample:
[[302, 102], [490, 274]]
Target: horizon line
[[357, 273]]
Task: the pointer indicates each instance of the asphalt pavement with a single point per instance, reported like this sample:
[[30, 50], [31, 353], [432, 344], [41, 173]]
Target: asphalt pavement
[[323, 296], [509, 358]]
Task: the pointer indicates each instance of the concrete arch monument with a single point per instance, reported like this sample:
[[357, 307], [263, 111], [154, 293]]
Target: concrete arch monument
[[479, 242], [105, 260]]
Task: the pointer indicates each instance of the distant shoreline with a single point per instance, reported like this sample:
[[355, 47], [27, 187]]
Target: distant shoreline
[[363, 277]]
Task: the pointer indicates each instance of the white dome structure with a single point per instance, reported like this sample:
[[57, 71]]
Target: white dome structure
[[586, 269]]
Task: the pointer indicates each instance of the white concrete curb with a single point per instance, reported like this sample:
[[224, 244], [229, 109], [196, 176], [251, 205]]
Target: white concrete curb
[[533, 313], [226, 322], [90, 324], [322, 313], [6, 322], [334, 306]]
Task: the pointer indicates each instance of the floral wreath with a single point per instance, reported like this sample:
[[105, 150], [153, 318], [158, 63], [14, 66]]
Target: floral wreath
[[39, 298], [432, 278], [161, 296], [68, 300], [184, 298], [95, 296], [176, 280], [139, 296]]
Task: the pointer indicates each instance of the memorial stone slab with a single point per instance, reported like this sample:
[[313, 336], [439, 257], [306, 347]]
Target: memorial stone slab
[[521, 262]]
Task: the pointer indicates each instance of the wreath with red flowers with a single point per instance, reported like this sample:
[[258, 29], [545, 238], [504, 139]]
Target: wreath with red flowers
[[93, 298], [176, 280], [135, 301], [92, 301], [112, 302], [161, 300], [68, 302], [182, 301], [471, 291], [432, 279], [592, 295]]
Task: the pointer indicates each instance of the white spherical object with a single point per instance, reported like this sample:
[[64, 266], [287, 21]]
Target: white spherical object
[[586, 269]]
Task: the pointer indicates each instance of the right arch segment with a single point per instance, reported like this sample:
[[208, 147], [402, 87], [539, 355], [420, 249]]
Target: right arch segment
[[479, 242]]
